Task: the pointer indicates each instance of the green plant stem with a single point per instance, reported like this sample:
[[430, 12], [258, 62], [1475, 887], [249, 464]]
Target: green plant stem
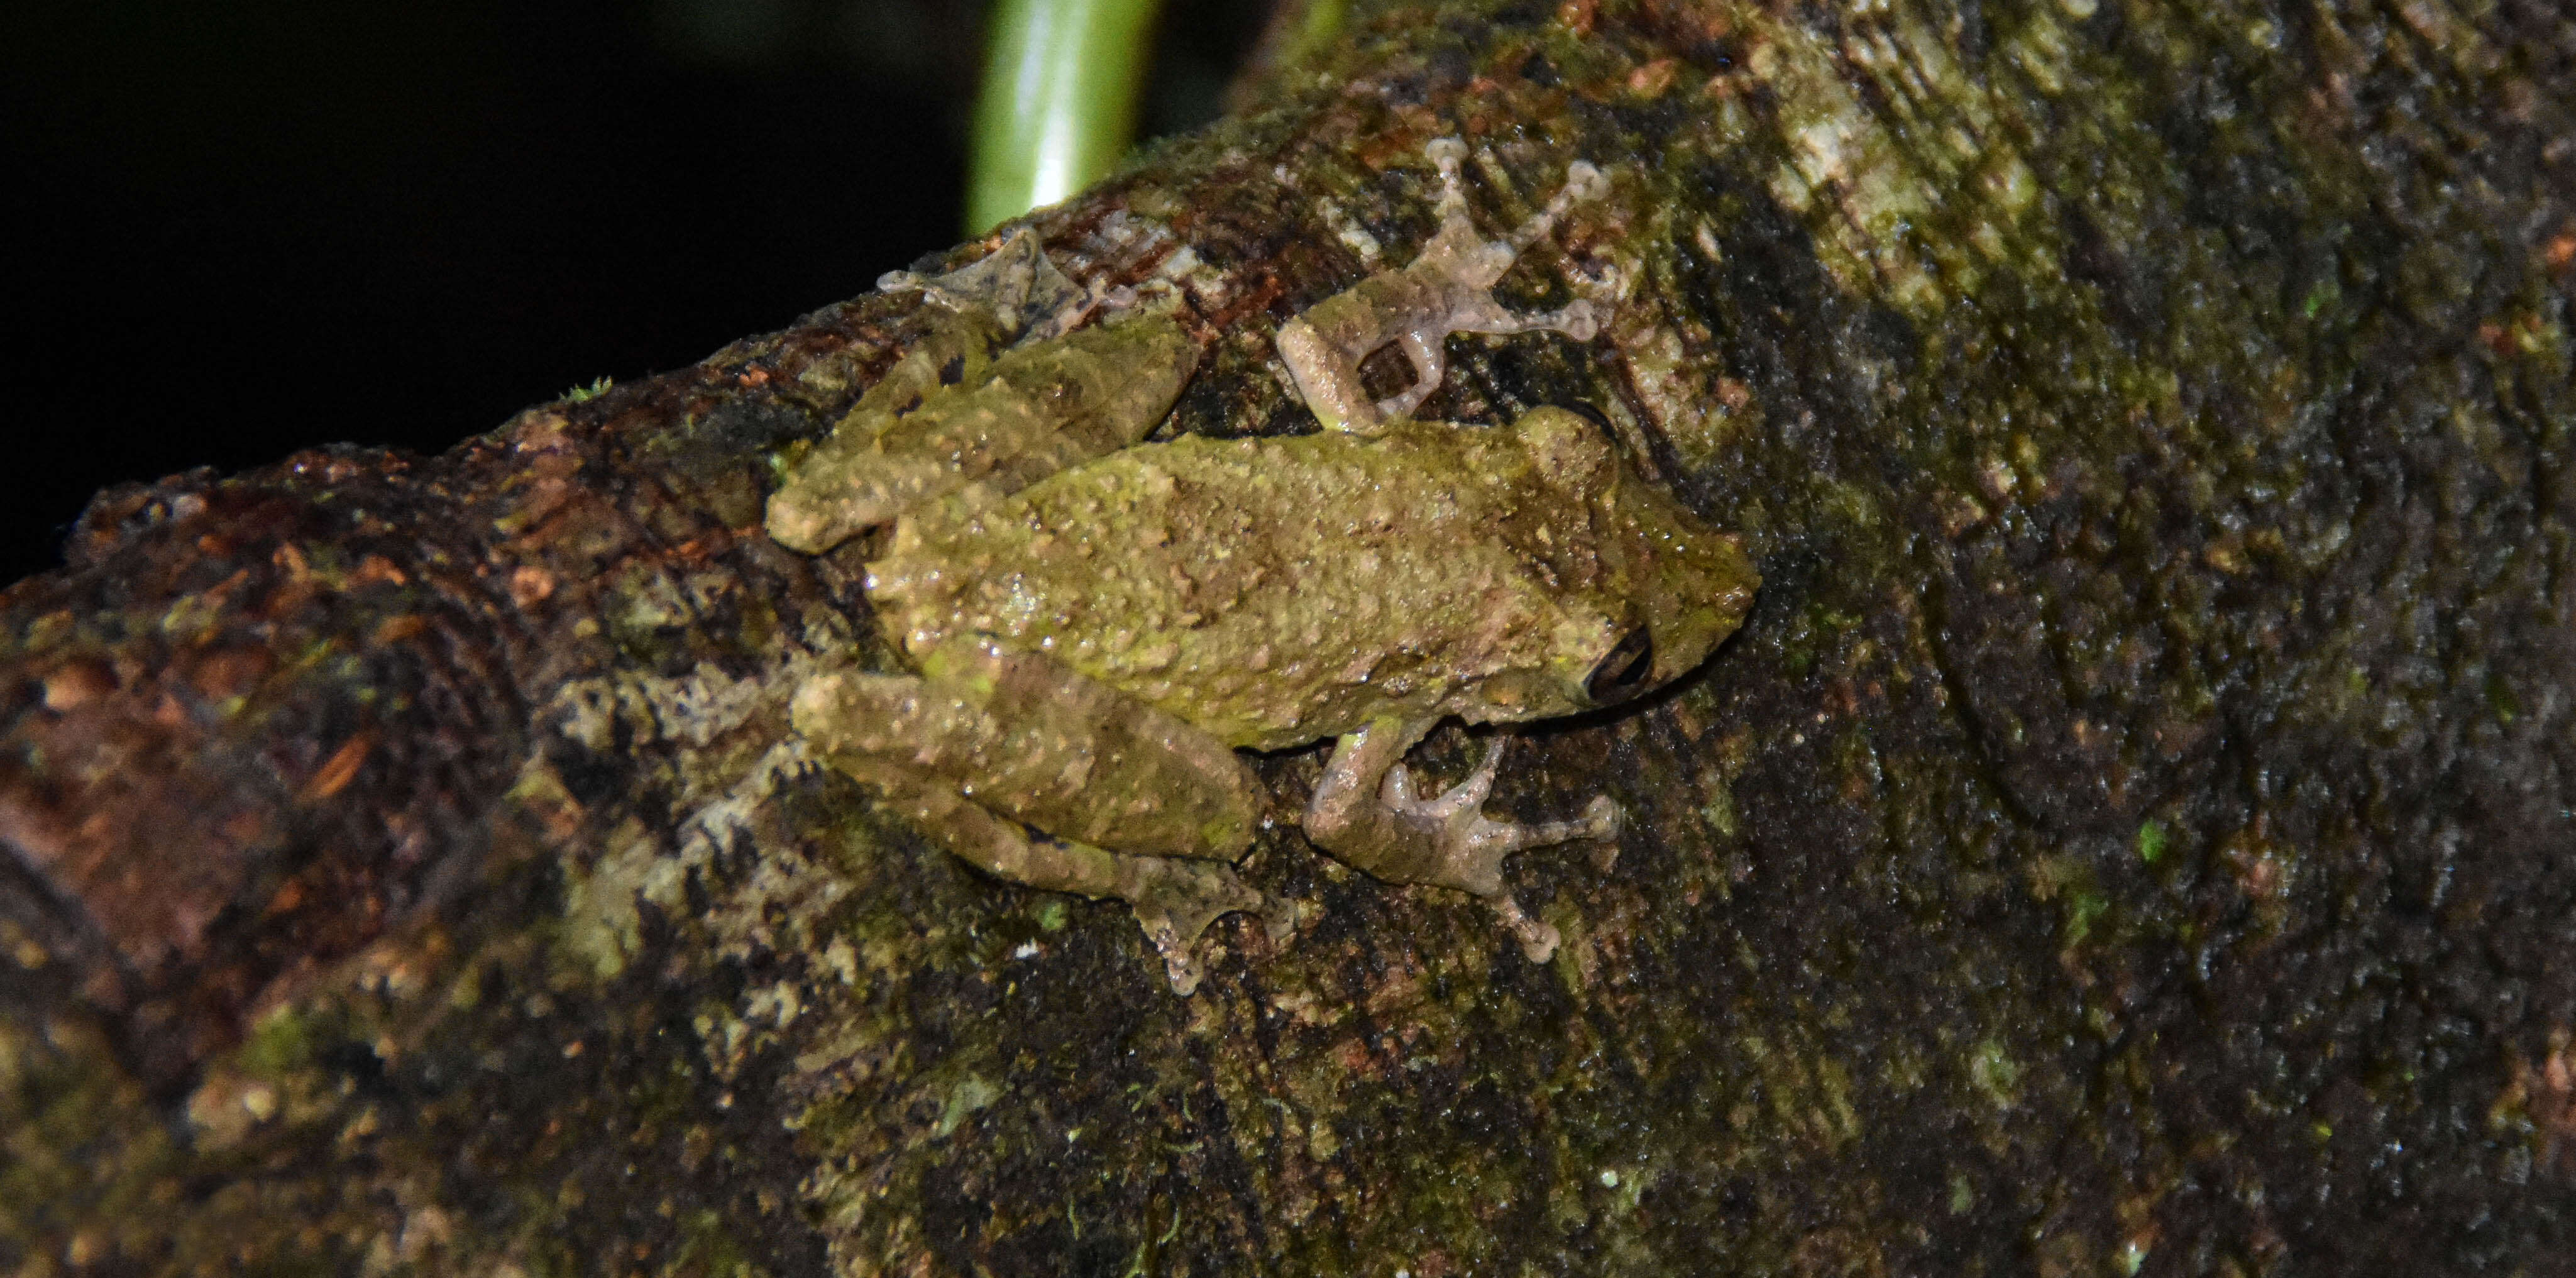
[[1059, 101]]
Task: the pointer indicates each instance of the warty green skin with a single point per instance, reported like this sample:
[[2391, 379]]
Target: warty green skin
[[1276, 591]]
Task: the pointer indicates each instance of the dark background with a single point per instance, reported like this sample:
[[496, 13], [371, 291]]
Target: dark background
[[249, 226]]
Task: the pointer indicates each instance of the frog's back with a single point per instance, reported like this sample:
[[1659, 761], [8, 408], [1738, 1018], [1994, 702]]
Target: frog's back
[[1271, 591]]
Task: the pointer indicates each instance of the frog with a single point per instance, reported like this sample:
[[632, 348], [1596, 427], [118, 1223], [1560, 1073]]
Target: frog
[[1094, 646]]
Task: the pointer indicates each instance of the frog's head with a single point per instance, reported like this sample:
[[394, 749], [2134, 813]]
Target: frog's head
[[1665, 588]]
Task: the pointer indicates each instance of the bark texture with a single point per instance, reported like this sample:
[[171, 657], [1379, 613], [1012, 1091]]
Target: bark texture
[[2135, 831]]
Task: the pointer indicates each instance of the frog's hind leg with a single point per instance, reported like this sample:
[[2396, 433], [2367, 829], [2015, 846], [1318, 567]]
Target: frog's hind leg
[[995, 428], [1365, 811], [1173, 900], [993, 742]]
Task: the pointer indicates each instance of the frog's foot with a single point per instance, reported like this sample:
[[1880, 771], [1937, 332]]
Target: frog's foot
[[1583, 184], [1538, 939], [1016, 283], [1470, 846], [1365, 811], [1472, 265], [1446, 154], [1423, 347], [1177, 900]]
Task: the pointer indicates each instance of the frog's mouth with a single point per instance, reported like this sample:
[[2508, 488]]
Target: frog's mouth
[[1624, 671]]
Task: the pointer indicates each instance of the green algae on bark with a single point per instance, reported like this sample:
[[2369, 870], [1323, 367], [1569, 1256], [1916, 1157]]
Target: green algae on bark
[[2146, 420]]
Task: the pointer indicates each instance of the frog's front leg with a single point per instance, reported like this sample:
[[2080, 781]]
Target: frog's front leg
[[1473, 266], [1141, 806], [1365, 812], [1446, 289]]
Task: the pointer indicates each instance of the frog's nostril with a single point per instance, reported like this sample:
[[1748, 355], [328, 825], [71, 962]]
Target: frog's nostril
[[1622, 672]]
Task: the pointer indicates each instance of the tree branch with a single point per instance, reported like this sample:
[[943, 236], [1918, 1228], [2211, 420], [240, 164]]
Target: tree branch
[[2130, 830]]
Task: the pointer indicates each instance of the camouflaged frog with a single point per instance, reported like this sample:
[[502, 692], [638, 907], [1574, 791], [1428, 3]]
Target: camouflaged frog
[[1099, 624]]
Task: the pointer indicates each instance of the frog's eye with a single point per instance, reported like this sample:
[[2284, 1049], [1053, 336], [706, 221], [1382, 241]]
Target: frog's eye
[[1590, 414], [1622, 673]]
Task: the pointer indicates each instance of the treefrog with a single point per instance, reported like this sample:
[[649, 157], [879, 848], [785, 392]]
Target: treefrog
[[1094, 643]]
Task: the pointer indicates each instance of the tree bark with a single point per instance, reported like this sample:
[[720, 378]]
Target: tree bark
[[2132, 832]]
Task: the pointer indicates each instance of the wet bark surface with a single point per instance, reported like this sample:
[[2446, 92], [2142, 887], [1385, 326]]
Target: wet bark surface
[[2131, 832]]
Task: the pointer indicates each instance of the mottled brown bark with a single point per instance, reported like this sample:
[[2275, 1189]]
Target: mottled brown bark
[[2132, 831]]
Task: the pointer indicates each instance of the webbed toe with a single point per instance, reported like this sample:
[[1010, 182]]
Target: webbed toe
[[1175, 901], [1470, 846]]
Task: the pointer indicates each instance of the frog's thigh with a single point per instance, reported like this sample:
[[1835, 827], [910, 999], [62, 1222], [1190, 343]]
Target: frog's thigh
[[1001, 847], [1032, 740], [1424, 347], [909, 737], [1082, 760]]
